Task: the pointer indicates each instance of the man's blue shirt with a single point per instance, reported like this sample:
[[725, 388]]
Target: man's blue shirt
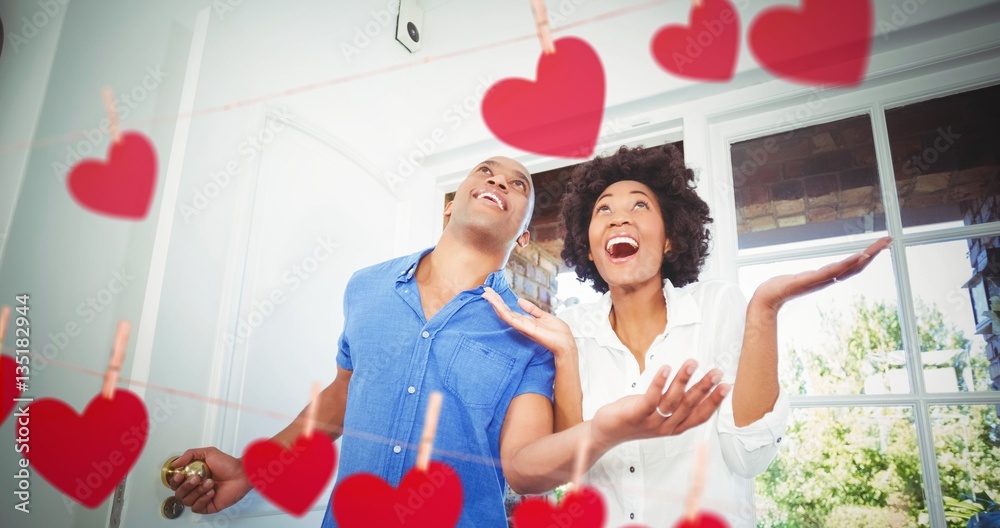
[[398, 359]]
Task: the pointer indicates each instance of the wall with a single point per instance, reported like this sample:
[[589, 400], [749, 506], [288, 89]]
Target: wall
[[984, 258], [531, 272]]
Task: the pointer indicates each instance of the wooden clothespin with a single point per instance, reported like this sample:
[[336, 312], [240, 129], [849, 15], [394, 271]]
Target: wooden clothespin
[[543, 26], [4, 319], [430, 429], [109, 105], [311, 413], [693, 503], [117, 355]]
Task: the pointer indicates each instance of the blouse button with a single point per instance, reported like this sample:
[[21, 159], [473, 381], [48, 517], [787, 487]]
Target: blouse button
[[631, 469], [633, 384], [631, 516]]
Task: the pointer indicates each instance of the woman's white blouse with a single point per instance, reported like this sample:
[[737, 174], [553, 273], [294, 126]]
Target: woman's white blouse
[[647, 481]]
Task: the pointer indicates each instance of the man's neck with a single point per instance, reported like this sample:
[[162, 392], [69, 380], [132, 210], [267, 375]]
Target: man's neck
[[457, 265]]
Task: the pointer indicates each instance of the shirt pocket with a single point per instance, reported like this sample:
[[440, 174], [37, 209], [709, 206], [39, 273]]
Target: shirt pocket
[[478, 374]]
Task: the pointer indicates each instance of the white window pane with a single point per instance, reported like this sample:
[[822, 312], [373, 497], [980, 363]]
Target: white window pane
[[955, 358], [946, 157], [967, 442], [837, 467], [844, 339], [810, 183]]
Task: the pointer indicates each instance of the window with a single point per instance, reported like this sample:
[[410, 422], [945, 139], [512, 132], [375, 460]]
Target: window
[[945, 157], [894, 374], [814, 182]]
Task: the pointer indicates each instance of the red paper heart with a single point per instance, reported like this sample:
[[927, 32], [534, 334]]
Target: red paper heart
[[560, 114], [824, 42], [121, 187], [423, 499], [8, 369], [86, 456], [291, 479], [704, 519], [578, 509], [704, 50]]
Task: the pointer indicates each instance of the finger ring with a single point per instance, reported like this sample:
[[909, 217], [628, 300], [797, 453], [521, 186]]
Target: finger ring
[[668, 415]]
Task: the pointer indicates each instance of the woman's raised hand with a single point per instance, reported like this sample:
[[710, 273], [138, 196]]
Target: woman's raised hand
[[538, 325], [774, 292]]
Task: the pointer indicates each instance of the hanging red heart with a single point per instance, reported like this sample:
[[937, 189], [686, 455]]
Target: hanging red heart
[[824, 42], [123, 186], [86, 456], [704, 519], [704, 50], [291, 479], [558, 115], [578, 509], [423, 498], [8, 369]]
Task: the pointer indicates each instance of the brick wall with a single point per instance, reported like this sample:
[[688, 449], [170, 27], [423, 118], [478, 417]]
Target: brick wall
[[811, 175], [984, 257], [531, 272], [944, 152], [547, 228]]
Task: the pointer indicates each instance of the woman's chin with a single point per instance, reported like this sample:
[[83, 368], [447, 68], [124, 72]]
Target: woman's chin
[[630, 281]]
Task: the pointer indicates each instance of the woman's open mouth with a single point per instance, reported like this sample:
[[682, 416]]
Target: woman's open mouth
[[621, 248]]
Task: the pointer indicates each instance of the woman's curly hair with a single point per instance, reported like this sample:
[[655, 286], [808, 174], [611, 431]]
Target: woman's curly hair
[[685, 214]]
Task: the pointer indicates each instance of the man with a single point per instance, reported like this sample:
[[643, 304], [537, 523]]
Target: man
[[418, 324]]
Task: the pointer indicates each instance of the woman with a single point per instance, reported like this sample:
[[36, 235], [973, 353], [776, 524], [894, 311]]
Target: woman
[[638, 231]]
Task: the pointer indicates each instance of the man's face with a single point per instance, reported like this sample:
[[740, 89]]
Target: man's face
[[496, 199]]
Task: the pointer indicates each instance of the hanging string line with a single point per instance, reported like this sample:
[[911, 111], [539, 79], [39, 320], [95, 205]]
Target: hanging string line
[[141, 123], [671, 495]]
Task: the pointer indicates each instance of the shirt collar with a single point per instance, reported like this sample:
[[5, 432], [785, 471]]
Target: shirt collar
[[682, 309], [408, 266]]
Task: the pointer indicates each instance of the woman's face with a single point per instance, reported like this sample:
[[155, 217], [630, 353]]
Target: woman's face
[[627, 236]]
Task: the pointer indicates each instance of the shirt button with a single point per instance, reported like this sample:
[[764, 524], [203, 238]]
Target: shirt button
[[631, 516], [411, 390], [631, 469], [633, 384], [778, 441], [396, 449], [426, 334]]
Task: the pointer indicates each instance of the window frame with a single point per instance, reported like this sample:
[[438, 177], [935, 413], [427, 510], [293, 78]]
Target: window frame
[[770, 117]]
